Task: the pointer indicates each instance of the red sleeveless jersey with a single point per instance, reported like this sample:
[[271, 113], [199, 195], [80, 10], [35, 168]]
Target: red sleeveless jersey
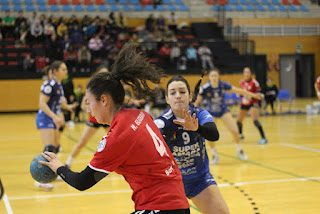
[[135, 148], [252, 86], [318, 81]]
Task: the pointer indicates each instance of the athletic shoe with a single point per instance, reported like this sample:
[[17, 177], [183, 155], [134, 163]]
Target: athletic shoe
[[215, 159], [263, 141], [241, 136], [59, 178], [43, 186], [241, 154]]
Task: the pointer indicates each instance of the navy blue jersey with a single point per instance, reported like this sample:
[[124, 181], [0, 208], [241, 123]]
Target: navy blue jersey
[[214, 97], [187, 147], [55, 91]]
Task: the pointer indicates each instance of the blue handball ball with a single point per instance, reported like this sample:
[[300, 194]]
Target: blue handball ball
[[41, 173]]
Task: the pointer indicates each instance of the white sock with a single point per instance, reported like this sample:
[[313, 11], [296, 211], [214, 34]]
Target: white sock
[[69, 161], [238, 145], [214, 151]]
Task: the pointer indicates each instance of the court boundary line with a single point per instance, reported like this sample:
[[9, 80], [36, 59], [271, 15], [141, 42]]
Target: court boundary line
[[297, 146], [130, 191]]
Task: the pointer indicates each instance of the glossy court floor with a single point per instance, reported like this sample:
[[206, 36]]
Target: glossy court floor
[[282, 177]]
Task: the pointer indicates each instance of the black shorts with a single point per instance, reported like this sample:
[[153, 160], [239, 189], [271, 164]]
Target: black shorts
[[180, 211], [249, 106], [95, 125]]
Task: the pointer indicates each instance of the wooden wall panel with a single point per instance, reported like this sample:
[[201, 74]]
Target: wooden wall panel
[[23, 95], [275, 45]]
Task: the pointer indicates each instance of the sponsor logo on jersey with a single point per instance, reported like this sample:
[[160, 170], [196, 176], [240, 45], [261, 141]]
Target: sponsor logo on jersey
[[47, 89], [102, 144], [159, 123]]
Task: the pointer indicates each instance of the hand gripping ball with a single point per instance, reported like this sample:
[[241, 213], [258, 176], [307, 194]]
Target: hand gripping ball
[[41, 173]]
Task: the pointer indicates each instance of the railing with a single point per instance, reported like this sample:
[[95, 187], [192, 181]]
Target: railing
[[238, 40], [278, 30]]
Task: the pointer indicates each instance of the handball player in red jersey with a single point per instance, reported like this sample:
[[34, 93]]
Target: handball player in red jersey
[[317, 87], [250, 104], [134, 146]]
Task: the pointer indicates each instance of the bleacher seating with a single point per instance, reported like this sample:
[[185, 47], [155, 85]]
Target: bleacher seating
[[239, 8], [114, 8], [66, 8], [260, 8], [103, 8], [17, 8], [5, 8], [4, 2], [16, 2], [126, 8], [91, 8], [54, 8], [78, 8], [292, 8], [42, 8], [271, 8]]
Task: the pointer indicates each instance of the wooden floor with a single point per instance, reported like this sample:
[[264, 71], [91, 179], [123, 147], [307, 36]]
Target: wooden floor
[[282, 177]]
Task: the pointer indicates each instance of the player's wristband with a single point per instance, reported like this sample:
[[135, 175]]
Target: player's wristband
[[318, 93]]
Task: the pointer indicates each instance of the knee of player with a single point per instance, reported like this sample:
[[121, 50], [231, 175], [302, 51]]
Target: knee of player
[[257, 123]]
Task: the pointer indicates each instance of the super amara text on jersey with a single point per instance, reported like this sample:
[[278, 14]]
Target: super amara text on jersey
[[191, 151]]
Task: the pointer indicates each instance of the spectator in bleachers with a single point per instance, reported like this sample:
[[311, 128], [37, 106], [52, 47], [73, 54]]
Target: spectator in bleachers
[[76, 34], [70, 57], [73, 21], [86, 21], [112, 20], [175, 54], [157, 2], [28, 64], [37, 32], [168, 35], [91, 29], [43, 20], [205, 56], [164, 54], [84, 56], [8, 25], [62, 29], [113, 53], [79, 94], [192, 56], [160, 22], [23, 32], [135, 40], [122, 22], [95, 46], [146, 2], [66, 42], [33, 19], [49, 30], [158, 35], [149, 45], [53, 21], [121, 40], [1, 37], [150, 23], [41, 62], [54, 49], [18, 22], [173, 22]]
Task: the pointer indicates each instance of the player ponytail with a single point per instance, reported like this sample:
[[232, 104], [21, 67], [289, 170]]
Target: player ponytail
[[197, 87], [135, 70], [131, 68]]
